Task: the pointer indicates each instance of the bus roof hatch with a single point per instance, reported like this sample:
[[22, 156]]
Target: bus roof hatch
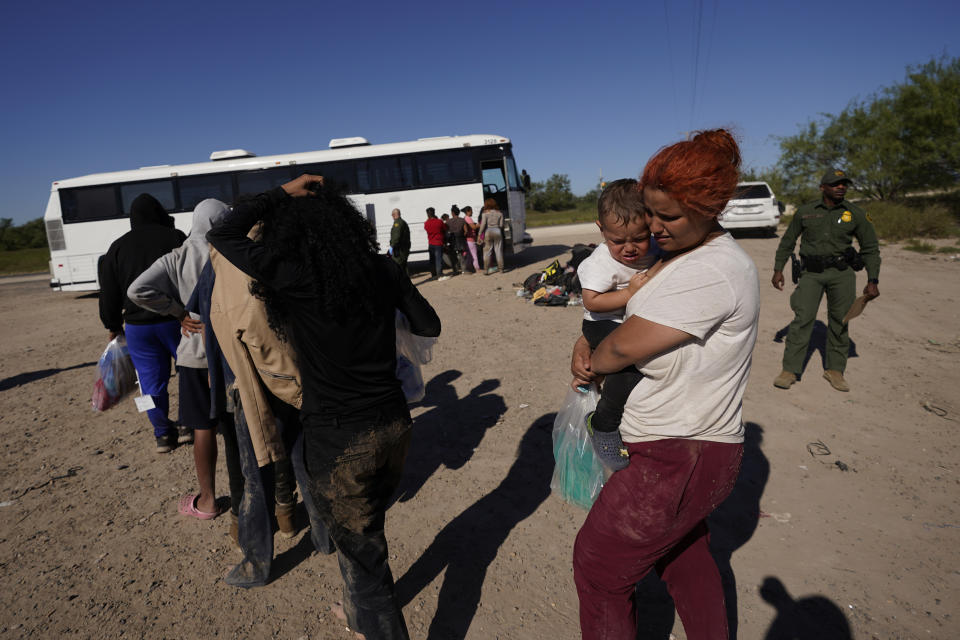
[[231, 154], [340, 143]]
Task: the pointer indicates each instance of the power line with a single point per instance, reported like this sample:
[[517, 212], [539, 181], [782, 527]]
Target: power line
[[673, 77], [698, 22]]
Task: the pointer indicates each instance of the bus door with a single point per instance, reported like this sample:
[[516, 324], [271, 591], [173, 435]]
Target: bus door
[[500, 182]]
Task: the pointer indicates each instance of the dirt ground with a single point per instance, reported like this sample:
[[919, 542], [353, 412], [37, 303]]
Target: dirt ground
[[846, 512]]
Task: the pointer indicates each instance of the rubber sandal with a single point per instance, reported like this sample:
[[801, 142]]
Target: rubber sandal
[[188, 507]]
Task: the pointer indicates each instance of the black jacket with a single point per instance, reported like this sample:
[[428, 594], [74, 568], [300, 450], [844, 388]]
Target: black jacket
[[346, 365], [151, 235]]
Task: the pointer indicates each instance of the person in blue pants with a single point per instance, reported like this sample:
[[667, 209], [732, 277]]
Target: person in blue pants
[[152, 339]]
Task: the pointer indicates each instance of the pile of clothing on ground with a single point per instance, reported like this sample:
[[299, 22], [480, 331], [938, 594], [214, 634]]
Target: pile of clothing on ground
[[556, 286]]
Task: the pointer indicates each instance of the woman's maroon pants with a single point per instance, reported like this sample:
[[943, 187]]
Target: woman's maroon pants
[[653, 515]]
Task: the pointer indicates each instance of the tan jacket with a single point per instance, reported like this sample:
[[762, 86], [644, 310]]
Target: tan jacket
[[259, 360]]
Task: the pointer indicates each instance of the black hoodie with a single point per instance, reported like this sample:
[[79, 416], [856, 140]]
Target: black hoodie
[[151, 235]]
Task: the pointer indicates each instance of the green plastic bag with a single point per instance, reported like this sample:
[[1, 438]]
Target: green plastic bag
[[578, 474]]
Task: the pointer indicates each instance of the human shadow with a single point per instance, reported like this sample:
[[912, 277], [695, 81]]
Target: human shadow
[[450, 431], [467, 546], [655, 609], [286, 561], [818, 344], [734, 522], [33, 376], [537, 253], [809, 618]]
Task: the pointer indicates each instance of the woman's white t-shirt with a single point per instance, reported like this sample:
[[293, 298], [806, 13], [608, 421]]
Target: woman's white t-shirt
[[696, 390]]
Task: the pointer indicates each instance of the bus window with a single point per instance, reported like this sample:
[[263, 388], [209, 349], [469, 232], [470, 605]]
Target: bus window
[[89, 203], [340, 175], [493, 181], [162, 190], [512, 178], [445, 167], [384, 174], [193, 189], [250, 183]]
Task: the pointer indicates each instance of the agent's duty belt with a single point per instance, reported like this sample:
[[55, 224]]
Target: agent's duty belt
[[816, 264], [849, 259]]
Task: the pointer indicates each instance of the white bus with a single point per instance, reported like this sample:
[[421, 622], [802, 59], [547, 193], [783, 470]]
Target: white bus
[[85, 215]]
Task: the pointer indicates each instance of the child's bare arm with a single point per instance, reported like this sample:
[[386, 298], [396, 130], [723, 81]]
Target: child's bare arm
[[607, 301]]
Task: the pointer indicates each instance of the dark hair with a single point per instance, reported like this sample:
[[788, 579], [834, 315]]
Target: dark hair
[[467, 208], [334, 244], [454, 209], [621, 200], [701, 174], [431, 212]]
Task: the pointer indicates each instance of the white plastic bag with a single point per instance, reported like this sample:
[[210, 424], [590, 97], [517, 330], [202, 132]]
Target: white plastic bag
[[578, 474], [116, 376], [412, 352]]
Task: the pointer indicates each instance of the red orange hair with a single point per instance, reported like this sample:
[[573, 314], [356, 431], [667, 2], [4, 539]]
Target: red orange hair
[[701, 174]]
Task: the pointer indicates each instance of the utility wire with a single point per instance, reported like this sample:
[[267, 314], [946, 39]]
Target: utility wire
[[698, 22], [707, 58], [673, 76]]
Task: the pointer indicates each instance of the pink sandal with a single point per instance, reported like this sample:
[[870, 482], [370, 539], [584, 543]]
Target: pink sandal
[[188, 507]]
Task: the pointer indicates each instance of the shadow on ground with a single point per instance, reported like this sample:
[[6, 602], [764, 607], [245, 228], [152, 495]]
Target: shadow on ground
[[33, 376], [809, 618], [465, 548], [448, 433], [818, 344]]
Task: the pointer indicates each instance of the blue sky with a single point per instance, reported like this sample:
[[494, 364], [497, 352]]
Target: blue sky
[[104, 86]]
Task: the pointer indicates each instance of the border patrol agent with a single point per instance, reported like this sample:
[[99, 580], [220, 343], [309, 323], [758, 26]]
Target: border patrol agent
[[827, 228]]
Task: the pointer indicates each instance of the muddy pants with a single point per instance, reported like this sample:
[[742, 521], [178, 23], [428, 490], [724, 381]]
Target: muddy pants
[[355, 463], [261, 486], [652, 515]]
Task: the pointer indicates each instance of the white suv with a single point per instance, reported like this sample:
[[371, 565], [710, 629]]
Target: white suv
[[753, 206]]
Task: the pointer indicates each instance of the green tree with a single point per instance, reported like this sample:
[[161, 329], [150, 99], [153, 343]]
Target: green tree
[[31, 235], [552, 195], [903, 138]]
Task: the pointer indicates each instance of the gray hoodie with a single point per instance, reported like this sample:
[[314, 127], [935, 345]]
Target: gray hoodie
[[169, 282]]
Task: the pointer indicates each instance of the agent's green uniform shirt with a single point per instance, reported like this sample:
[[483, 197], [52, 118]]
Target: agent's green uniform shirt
[[828, 231], [825, 232], [400, 235]]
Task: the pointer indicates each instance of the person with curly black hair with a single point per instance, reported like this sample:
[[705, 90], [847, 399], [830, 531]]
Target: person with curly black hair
[[327, 290]]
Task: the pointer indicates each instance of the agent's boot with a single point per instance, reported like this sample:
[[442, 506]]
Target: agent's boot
[[835, 378], [785, 380]]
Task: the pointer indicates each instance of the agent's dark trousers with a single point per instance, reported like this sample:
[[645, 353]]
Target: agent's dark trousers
[[355, 463], [616, 386], [653, 515], [841, 290]]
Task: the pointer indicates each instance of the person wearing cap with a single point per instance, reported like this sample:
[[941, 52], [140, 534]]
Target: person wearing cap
[[826, 229]]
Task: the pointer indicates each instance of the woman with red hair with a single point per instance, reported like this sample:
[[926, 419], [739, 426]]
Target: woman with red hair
[[690, 330]]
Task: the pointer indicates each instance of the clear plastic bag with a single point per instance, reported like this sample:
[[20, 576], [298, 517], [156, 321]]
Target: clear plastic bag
[[578, 474], [412, 352], [116, 376]]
